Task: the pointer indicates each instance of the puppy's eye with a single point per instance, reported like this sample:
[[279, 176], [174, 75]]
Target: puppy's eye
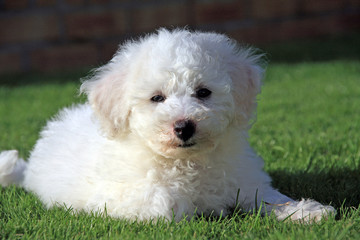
[[203, 93], [157, 98]]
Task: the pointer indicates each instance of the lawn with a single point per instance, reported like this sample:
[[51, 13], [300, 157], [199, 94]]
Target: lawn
[[307, 131]]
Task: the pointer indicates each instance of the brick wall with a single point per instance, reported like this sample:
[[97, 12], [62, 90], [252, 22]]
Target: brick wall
[[46, 35]]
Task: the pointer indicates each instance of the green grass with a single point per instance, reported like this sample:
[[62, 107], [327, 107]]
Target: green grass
[[307, 131]]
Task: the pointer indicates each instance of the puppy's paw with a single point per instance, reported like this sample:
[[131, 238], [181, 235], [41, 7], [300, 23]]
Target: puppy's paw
[[304, 211]]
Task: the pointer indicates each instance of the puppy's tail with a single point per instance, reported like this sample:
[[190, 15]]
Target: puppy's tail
[[11, 168]]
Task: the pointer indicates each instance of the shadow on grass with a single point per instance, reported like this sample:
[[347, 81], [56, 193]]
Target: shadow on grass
[[339, 187], [336, 187]]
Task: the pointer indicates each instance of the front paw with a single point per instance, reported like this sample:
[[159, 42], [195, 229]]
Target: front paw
[[305, 211]]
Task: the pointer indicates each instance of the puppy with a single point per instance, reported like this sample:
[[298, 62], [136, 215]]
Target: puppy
[[164, 134]]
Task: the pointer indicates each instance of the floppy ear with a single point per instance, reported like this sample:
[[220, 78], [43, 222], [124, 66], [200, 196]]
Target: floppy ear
[[107, 96], [246, 74]]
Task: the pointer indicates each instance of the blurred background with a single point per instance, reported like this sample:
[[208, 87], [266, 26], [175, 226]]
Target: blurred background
[[58, 35]]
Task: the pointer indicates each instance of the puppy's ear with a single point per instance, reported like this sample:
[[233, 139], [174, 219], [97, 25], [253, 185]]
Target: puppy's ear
[[106, 91], [246, 72]]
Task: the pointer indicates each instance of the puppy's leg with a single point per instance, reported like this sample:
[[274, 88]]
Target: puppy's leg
[[256, 185], [286, 208], [141, 201]]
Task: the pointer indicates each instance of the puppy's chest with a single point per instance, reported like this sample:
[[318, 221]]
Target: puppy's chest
[[192, 179]]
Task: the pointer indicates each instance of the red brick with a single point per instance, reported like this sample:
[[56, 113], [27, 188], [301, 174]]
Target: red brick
[[153, 17], [218, 11], [311, 27], [305, 28], [99, 1], [75, 2], [321, 5], [353, 3], [108, 50], [10, 62], [100, 24], [295, 29], [351, 22], [28, 28], [265, 9], [16, 4], [252, 35], [45, 3], [120, 21], [64, 57]]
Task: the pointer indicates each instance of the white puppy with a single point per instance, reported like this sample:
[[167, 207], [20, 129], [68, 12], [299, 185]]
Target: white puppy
[[164, 135]]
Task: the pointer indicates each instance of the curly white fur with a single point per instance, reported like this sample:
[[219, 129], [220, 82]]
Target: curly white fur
[[121, 150]]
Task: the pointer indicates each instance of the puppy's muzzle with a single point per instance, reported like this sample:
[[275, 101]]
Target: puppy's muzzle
[[184, 129]]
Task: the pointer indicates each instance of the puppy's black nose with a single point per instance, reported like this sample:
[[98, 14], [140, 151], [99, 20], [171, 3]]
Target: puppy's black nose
[[184, 129]]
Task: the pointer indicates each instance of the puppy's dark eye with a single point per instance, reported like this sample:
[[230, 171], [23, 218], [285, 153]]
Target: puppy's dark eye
[[203, 93], [157, 98]]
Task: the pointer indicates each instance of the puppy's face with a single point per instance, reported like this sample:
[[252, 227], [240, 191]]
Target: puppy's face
[[179, 109], [176, 92]]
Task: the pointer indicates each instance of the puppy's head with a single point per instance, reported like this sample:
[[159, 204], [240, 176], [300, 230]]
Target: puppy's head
[[177, 91]]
